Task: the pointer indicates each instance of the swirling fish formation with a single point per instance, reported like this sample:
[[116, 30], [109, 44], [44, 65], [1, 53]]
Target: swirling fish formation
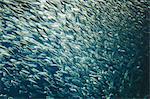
[[72, 49]]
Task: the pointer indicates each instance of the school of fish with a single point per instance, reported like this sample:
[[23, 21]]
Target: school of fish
[[72, 49]]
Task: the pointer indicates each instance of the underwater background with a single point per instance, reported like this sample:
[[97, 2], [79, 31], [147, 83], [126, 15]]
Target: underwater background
[[74, 49]]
